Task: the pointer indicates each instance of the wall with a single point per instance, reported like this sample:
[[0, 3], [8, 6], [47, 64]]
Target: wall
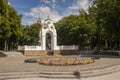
[[70, 47], [37, 50]]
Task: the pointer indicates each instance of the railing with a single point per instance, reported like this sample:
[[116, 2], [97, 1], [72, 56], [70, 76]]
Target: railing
[[32, 47], [70, 47], [20, 48]]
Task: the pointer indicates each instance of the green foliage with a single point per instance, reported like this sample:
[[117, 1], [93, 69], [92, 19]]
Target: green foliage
[[10, 26], [76, 29], [100, 27], [66, 28], [30, 35], [108, 21]]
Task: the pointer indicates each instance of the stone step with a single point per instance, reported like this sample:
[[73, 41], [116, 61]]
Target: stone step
[[52, 74], [16, 54], [36, 74]]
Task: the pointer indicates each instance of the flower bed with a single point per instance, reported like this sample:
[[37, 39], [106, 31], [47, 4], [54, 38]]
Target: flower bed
[[64, 61], [32, 60]]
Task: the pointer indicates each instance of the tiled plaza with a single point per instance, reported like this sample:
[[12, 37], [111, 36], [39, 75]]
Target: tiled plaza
[[13, 67]]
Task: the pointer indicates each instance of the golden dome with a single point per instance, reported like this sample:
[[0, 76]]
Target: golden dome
[[39, 21]]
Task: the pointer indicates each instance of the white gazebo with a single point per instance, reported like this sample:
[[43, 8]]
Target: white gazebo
[[48, 28], [47, 44]]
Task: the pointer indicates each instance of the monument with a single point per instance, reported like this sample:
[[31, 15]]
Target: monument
[[48, 36], [47, 41]]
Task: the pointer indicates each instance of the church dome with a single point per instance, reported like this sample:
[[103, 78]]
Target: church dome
[[39, 21]]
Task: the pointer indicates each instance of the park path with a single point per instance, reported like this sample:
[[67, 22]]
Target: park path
[[112, 76], [13, 66]]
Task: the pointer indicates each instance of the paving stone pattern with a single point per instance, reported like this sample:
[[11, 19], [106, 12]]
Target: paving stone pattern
[[13, 66]]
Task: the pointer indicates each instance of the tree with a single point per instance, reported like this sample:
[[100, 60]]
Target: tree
[[10, 27], [30, 35], [66, 28], [98, 39], [16, 28], [97, 28], [76, 29], [5, 24], [34, 33], [107, 16]]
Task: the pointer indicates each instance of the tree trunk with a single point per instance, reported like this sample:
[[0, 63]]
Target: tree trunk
[[5, 46], [109, 44], [117, 42]]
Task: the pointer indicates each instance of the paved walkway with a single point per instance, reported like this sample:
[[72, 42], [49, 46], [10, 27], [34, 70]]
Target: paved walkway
[[13, 66], [113, 76]]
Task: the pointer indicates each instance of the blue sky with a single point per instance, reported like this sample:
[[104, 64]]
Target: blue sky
[[56, 9]]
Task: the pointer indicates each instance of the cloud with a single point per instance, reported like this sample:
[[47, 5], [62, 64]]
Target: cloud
[[64, 1], [80, 4], [38, 11], [54, 3], [46, 1], [42, 12], [50, 2]]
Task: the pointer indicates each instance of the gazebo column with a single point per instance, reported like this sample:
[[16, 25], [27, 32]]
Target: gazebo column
[[43, 42], [55, 42]]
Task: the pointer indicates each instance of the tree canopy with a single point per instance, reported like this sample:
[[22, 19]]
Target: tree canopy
[[10, 25], [30, 35], [98, 27]]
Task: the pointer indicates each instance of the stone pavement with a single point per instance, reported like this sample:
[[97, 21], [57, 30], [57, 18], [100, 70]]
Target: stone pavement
[[13, 67], [112, 76]]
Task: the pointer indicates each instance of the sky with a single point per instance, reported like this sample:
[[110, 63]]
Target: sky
[[31, 10]]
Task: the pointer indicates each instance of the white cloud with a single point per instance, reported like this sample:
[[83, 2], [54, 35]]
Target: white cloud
[[54, 1], [63, 0], [80, 4], [46, 1], [27, 22], [37, 11], [51, 2], [42, 12]]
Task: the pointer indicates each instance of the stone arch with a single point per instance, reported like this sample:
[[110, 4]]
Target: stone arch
[[48, 28], [51, 45]]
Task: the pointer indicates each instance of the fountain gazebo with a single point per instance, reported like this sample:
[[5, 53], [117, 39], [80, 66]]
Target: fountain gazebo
[[47, 41]]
